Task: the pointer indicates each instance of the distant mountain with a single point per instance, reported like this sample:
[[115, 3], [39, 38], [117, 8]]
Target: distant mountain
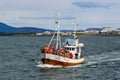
[[66, 30], [32, 30], [4, 28], [72, 30], [97, 29]]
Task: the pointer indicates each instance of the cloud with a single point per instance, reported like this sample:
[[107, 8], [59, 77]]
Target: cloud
[[33, 5], [93, 4], [47, 18], [93, 17]]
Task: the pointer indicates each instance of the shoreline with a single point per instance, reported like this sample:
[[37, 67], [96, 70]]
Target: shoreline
[[34, 35]]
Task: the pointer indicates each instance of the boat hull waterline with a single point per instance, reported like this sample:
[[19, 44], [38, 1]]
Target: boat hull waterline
[[57, 60]]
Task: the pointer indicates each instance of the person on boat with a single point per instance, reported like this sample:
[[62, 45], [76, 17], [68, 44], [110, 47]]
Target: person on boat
[[76, 55], [67, 43]]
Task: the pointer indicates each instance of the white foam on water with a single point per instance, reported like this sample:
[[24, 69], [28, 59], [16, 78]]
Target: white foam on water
[[90, 63], [104, 57], [80, 65], [41, 65]]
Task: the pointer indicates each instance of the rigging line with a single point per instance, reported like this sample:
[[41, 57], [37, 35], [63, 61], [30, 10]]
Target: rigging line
[[51, 39]]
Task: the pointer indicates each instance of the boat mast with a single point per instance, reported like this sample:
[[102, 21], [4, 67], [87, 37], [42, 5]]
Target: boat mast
[[58, 41], [75, 37], [75, 26]]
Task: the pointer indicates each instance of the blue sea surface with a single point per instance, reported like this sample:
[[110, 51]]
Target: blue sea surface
[[19, 57]]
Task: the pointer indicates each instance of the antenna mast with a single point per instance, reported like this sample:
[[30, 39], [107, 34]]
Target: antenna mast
[[75, 27], [58, 39], [58, 43]]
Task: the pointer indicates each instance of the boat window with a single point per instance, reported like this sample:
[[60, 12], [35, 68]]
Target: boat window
[[70, 49], [73, 49], [67, 48]]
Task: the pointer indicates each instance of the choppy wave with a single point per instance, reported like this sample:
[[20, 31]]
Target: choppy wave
[[19, 57], [104, 57]]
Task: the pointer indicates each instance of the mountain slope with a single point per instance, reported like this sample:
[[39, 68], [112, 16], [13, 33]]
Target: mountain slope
[[4, 28], [97, 29], [31, 30]]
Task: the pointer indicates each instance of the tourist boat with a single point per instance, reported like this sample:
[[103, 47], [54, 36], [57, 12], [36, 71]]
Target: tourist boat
[[69, 55]]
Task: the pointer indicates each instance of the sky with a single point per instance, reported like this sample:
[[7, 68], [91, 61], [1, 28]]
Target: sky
[[44, 13]]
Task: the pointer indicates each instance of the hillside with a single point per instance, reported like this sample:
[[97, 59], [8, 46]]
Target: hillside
[[4, 28]]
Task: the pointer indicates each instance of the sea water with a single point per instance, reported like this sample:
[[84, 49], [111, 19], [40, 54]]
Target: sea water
[[20, 57]]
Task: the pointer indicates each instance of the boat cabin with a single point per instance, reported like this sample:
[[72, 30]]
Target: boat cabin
[[72, 48]]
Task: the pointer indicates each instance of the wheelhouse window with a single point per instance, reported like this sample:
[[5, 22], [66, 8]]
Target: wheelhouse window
[[73, 49], [70, 49]]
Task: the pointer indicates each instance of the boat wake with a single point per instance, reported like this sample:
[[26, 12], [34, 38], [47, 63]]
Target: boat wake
[[90, 60], [104, 57], [41, 65]]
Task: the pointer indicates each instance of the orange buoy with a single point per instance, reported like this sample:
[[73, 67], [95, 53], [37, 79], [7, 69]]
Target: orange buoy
[[61, 51], [46, 49], [51, 51]]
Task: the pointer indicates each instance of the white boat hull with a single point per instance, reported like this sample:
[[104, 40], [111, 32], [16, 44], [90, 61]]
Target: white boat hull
[[61, 60]]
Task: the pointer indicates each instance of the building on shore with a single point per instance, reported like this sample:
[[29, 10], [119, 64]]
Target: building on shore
[[117, 31], [106, 30], [92, 30], [39, 34], [66, 33]]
